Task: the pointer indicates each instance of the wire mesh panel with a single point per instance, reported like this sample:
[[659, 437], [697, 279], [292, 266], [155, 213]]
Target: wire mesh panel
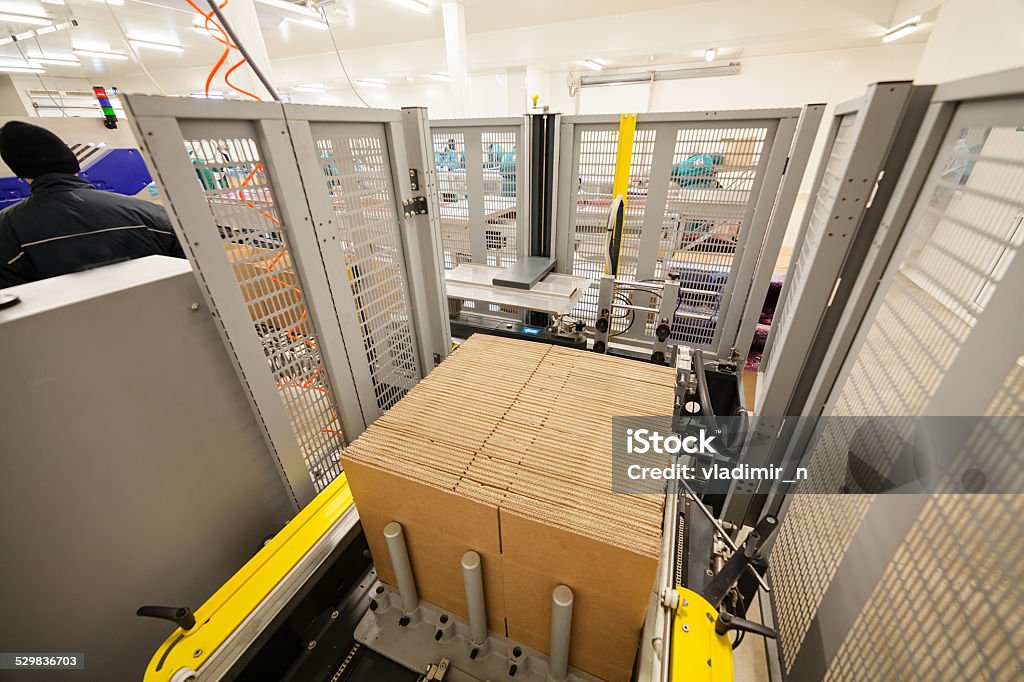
[[498, 151], [711, 191], [933, 317], [356, 174], [477, 164], [703, 194], [256, 243], [450, 163]]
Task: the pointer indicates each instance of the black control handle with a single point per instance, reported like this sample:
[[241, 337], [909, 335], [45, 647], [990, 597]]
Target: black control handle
[[726, 621], [180, 615]]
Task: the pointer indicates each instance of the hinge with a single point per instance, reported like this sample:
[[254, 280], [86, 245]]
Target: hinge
[[415, 206]]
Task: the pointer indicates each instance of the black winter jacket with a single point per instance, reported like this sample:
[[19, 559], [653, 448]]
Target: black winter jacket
[[67, 225]]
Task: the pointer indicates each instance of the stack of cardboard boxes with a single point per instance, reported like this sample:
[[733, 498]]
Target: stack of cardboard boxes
[[505, 449]]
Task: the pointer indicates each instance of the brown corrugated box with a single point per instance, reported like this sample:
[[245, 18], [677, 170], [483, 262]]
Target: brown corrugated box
[[505, 449]]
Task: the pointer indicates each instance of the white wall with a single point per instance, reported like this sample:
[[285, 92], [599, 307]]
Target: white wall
[[972, 37]]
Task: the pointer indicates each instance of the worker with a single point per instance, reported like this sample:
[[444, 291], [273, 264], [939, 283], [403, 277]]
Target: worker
[[67, 225]]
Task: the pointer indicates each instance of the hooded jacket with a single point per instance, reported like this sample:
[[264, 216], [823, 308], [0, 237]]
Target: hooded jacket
[[67, 226]]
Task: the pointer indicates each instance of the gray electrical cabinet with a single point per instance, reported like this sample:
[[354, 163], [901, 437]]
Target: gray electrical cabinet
[[133, 469]]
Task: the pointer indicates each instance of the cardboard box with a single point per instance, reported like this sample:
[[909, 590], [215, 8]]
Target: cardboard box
[[505, 449]]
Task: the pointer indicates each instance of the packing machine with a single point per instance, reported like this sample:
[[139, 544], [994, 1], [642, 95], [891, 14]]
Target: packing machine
[[323, 238]]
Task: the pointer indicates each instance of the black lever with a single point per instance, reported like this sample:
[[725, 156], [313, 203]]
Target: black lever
[[752, 550], [726, 621], [181, 615]]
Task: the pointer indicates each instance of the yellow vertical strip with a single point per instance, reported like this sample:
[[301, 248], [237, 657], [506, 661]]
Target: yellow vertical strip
[[620, 187], [624, 156]]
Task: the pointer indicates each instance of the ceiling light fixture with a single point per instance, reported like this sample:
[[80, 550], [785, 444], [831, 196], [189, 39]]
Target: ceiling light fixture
[[29, 19], [56, 61], [604, 79], [592, 64], [309, 87], [213, 94], [417, 5], [902, 30], [289, 7], [21, 69], [440, 77], [372, 83], [150, 45], [710, 54], [312, 23], [102, 54]]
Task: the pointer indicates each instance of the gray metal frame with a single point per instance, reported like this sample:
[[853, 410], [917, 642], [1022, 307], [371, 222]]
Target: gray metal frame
[[473, 130], [292, 163], [786, 147], [837, 229], [975, 375]]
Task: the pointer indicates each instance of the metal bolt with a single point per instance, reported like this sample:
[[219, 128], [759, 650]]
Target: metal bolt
[[686, 602], [334, 614], [311, 645], [686, 628], [194, 307], [197, 653], [708, 571]]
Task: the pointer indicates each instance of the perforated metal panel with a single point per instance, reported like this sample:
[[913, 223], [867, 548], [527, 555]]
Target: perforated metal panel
[[256, 244], [450, 162], [290, 217], [480, 189], [693, 190], [357, 172], [814, 233], [940, 338]]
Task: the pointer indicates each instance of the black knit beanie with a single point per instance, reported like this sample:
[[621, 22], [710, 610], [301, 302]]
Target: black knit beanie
[[31, 151]]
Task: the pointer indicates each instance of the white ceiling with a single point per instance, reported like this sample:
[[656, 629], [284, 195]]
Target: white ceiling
[[550, 34]]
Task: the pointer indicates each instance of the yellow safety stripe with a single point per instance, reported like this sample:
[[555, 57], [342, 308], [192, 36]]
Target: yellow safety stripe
[[229, 606], [624, 155], [623, 160], [699, 654]]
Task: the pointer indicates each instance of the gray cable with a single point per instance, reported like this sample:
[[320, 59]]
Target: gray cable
[[45, 89], [330, 31], [241, 48]]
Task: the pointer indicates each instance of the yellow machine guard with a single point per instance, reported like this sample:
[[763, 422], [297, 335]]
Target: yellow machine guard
[[699, 654], [229, 606]]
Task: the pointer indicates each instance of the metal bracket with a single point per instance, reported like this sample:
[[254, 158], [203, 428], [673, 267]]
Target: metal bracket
[[414, 180], [415, 206], [435, 672]]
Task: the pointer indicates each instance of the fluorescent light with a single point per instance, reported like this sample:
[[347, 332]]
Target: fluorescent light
[[710, 54], [214, 94], [309, 87], [289, 7], [25, 36], [20, 69], [312, 23], [592, 64], [440, 77], [148, 44], [899, 32], [101, 54], [409, 79], [418, 5], [54, 60], [43, 30], [52, 2], [372, 83], [24, 19]]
